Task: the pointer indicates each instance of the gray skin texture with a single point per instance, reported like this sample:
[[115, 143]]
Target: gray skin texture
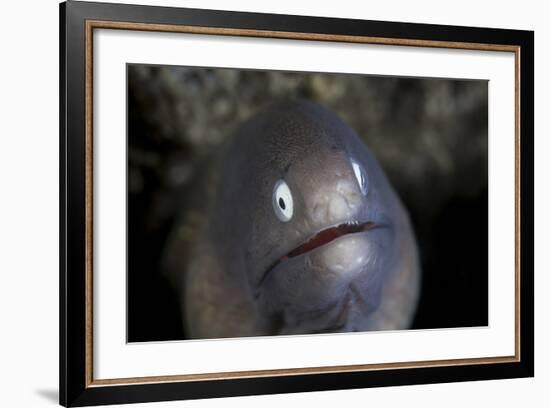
[[239, 283]]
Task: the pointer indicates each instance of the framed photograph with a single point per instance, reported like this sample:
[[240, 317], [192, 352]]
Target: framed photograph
[[256, 203]]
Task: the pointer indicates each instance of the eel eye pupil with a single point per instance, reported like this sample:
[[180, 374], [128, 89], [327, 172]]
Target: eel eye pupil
[[282, 203]]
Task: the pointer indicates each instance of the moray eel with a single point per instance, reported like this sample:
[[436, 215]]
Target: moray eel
[[303, 234]]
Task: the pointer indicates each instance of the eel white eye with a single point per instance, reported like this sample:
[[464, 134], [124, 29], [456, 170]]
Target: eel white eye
[[283, 204], [360, 176]]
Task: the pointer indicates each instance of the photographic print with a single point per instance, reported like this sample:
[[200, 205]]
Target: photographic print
[[266, 203], [258, 204]]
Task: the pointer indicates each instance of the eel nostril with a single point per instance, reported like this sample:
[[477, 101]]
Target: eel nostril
[[338, 207], [334, 203], [353, 200]]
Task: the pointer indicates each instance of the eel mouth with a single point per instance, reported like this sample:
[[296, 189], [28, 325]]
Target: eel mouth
[[328, 235], [324, 237]]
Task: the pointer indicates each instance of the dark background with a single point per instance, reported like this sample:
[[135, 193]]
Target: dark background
[[430, 136]]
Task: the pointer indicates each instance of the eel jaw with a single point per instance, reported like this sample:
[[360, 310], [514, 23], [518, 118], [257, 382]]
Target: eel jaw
[[328, 235], [324, 237]]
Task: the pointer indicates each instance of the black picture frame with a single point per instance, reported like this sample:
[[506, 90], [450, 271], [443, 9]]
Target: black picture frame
[[76, 385]]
